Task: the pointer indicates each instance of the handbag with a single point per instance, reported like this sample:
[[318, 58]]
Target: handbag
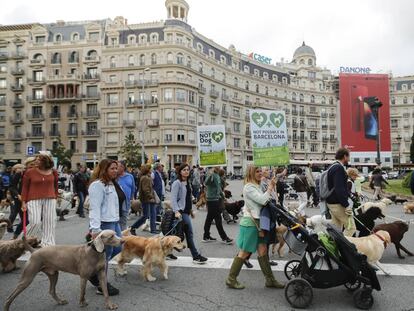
[[156, 197]]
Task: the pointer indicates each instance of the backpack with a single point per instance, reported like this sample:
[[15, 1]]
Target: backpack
[[324, 191], [6, 180]]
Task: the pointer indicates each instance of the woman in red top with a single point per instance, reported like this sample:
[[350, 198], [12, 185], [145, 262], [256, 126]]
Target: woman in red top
[[39, 193]]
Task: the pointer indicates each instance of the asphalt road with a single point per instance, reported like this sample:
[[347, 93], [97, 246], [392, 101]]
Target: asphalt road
[[203, 289]]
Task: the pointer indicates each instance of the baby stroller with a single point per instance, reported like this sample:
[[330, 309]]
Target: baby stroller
[[324, 267]]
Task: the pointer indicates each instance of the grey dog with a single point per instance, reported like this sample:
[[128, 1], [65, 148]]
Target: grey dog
[[82, 260]]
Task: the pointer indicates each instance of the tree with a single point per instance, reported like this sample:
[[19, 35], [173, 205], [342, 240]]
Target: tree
[[131, 151], [412, 149], [63, 155]]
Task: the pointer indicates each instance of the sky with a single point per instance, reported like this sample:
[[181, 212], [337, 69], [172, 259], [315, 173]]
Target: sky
[[353, 33]]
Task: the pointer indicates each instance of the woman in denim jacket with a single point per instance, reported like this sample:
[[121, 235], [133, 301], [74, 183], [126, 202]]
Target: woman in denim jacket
[[181, 201], [107, 201]]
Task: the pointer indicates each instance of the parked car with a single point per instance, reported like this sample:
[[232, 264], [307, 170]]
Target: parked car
[[384, 174], [393, 175]]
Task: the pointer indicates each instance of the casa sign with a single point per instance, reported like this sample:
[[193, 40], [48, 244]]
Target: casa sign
[[363, 70], [260, 58]]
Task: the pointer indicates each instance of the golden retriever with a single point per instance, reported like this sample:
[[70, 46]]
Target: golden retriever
[[372, 246], [202, 201], [408, 207], [152, 252]]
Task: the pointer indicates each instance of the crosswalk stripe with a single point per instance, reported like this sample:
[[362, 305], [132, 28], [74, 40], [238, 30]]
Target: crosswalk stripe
[[225, 263]]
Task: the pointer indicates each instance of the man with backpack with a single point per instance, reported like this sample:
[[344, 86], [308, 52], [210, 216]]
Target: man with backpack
[[301, 187], [333, 189]]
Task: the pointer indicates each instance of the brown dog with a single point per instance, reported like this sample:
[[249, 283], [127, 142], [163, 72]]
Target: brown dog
[[83, 260], [202, 201], [152, 251], [397, 229], [11, 250], [408, 207], [280, 231], [136, 207]]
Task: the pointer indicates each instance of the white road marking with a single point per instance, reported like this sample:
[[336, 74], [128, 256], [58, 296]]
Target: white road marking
[[225, 263]]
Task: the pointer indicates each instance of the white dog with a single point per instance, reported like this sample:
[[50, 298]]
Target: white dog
[[318, 223]]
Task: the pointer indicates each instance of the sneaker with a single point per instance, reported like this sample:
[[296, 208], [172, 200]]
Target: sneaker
[[172, 257], [199, 260], [272, 263], [227, 241], [112, 291], [209, 239]]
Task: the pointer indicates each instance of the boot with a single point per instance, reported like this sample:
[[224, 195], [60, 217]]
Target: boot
[[268, 273], [234, 273]]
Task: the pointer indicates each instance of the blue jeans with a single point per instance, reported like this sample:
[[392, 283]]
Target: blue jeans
[[189, 236], [149, 212], [196, 192], [111, 251], [81, 197]]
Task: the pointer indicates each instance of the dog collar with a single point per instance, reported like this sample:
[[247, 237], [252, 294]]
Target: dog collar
[[92, 245], [382, 239]]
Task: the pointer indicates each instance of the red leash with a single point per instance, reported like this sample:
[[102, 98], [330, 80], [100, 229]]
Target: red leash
[[24, 223]]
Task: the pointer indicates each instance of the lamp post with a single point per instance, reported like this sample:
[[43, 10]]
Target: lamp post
[[399, 152], [143, 117], [375, 105]]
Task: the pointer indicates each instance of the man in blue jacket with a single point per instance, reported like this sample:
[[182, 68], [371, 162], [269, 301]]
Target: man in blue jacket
[[127, 183], [338, 203]]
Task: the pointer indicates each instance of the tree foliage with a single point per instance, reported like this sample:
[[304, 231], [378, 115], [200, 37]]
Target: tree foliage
[[130, 151], [412, 149], [63, 155]]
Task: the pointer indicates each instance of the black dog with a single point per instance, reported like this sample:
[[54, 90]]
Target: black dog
[[368, 220], [233, 209], [400, 201]]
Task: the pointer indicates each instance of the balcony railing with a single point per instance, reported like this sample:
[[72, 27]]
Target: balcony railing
[[16, 120], [36, 99], [54, 133], [129, 123], [302, 113], [17, 103], [224, 113], [214, 111], [92, 95], [225, 97], [54, 115], [16, 136], [153, 123], [91, 59], [36, 117], [90, 132], [214, 93], [248, 103], [91, 114], [324, 115], [294, 112], [88, 76], [4, 55], [61, 97], [201, 89], [236, 115], [17, 88], [72, 115], [201, 108], [36, 81], [332, 127], [17, 72], [18, 55], [37, 62], [36, 134], [72, 133]]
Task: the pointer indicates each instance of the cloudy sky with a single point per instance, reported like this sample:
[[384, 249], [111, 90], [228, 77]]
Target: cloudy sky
[[366, 33]]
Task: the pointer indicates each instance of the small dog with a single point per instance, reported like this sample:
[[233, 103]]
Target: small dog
[[280, 231], [318, 223], [396, 229], [408, 207], [383, 204], [11, 250], [83, 260], [372, 246], [368, 220], [202, 201], [136, 207], [3, 228], [400, 201], [233, 208], [152, 251]]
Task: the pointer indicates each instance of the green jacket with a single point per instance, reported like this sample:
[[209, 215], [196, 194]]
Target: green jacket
[[213, 187]]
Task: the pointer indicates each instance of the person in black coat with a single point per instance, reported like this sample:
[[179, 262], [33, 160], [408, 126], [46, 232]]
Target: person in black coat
[[412, 182]]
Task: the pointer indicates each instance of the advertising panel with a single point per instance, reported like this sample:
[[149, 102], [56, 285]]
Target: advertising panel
[[212, 145], [269, 138], [358, 118]]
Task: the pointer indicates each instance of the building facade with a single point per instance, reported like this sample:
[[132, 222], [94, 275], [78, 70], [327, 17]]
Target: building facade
[[86, 83]]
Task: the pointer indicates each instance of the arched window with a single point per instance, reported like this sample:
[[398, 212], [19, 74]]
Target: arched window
[[236, 81], [211, 54], [284, 80], [56, 59], [200, 67], [154, 38], [188, 61], [275, 78], [58, 38], [131, 60], [246, 69], [142, 60], [294, 96], [132, 39], [213, 72], [180, 59], [170, 58], [266, 90], [75, 36], [246, 86], [310, 62], [256, 72], [301, 98], [265, 75], [153, 59], [405, 100], [302, 62], [323, 101], [257, 88], [74, 57], [223, 59], [92, 55], [200, 47], [142, 39], [38, 57], [112, 62], [312, 99]]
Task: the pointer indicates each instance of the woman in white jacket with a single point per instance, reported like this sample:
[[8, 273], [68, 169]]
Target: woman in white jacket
[[249, 239]]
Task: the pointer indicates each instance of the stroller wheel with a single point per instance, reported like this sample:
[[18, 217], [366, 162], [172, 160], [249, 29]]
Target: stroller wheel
[[299, 293], [353, 286], [363, 298], [292, 269]]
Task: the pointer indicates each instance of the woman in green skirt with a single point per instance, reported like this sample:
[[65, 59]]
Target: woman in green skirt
[[250, 238]]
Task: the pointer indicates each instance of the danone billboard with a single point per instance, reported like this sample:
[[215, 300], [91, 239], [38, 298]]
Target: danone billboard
[[212, 145], [269, 138], [358, 119]]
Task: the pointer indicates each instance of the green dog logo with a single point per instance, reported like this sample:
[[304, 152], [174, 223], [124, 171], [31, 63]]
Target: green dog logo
[[217, 136], [259, 118], [277, 119]]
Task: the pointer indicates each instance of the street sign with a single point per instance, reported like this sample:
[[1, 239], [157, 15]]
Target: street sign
[[30, 150]]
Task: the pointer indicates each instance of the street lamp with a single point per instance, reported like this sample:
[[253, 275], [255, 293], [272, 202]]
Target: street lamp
[[374, 103], [143, 117], [399, 151]]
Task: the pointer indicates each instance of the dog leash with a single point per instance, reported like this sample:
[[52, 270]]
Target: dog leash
[[171, 230], [372, 232], [24, 223], [410, 221]]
